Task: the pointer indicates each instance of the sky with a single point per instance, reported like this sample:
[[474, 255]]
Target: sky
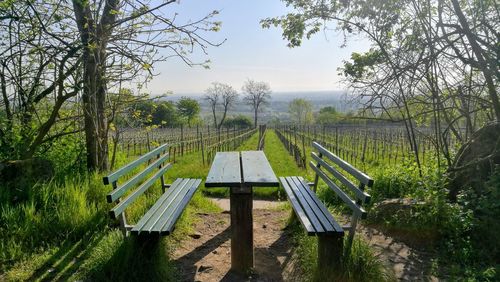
[[251, 52]]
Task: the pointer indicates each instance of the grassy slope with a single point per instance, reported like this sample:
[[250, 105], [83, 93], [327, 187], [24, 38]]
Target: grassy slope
[[99, 252], [361, 265], [102, 253]]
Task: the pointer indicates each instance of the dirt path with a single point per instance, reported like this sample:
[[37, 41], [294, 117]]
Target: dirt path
[[206, 255], [257, 204], [208, 258], [407, 263]]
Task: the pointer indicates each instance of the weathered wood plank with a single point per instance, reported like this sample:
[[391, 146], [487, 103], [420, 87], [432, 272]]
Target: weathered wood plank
[[344, 165], [256, 169], [309, 212], [119, 208], [357, 209], [320, 205], [330, 250], [309, 201], [242, 257], [166, 224], [120, 191], [363, 196], [158, 207], [127, 168], [299, 211], [167, 207], [225, 170]]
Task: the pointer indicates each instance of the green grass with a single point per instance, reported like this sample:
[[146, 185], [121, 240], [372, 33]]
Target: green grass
[[360, 265], [63, 232]]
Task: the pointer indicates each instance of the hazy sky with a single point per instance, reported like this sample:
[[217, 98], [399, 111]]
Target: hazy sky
[[253, 52]]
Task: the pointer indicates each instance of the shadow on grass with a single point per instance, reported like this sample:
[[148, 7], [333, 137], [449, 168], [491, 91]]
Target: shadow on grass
[[67, 260], [137, 258]]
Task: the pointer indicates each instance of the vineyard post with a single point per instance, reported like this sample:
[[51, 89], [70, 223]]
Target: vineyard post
[[175, 151], [234, 137], [147, 140], [202, 149], [336, 140], [364, 147], [182, 140], [197, 137], [304, 158]]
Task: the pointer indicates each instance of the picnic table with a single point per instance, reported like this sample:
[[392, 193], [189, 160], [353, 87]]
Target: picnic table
[[241, 172]]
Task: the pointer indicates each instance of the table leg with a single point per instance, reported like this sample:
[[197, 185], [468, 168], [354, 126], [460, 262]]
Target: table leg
[[241, 229]]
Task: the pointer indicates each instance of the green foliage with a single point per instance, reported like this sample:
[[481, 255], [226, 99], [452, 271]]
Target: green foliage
[[300, 111], [239, 121], [161, 113], [328, 116], [189, 109], [362, 65]]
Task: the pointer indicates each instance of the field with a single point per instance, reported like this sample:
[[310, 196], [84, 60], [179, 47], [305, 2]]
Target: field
[[62, 230]]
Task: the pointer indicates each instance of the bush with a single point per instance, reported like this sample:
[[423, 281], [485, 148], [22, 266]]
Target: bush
[[239, 121]]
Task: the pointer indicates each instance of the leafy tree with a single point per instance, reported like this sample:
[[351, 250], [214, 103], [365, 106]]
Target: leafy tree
[[119, 37], [434, 61], [257, 94], [165, 114], [327, 115], [240, 121], [38, 76], [300, 111], [220, 95], [188, 108]]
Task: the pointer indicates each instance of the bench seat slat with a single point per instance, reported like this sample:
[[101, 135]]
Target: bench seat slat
[[153, 214], [321, 206], [357, 209], [169, 225], [363, 196], [118, 209], [317, 212], [153, 209], [118, 192], [159, 219], [309, 212], [299, 211], [365, 179], [115, 175]]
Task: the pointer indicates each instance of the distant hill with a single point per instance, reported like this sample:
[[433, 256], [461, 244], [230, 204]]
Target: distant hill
[[278, 107]]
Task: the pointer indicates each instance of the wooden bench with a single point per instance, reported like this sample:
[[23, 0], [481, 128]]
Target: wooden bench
[[160, 219], [313, 214]]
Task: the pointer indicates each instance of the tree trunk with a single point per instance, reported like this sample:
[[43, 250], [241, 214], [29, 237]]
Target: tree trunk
[[90, 110], [255, 117]]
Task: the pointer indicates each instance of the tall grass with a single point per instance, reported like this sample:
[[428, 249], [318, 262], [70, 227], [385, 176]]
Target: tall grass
[[360, 265], [62, 231]]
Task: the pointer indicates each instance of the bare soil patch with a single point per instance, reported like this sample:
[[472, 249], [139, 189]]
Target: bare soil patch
[[205, 255], [208, 258]]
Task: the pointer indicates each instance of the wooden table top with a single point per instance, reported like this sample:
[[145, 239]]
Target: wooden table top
[[232, 169]]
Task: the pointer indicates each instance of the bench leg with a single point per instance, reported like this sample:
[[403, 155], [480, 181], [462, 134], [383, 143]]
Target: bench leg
[[241, 229], [330, 250]]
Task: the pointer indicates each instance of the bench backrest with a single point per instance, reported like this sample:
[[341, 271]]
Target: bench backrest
[[332, 170], [161, 155]]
